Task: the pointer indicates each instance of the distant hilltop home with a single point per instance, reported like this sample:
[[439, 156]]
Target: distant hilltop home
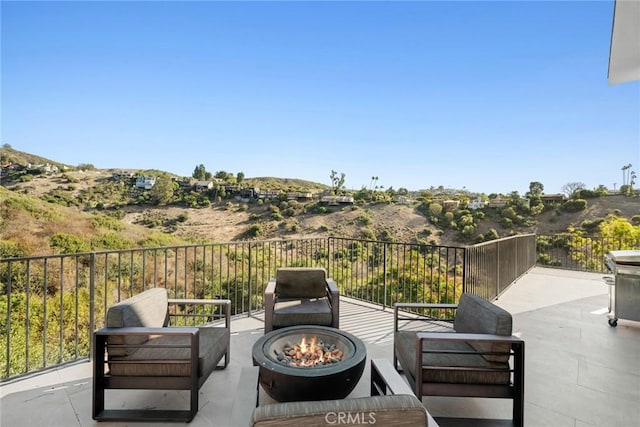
[[269, 194], [449, 205], [300, 196], [476, 204], [203, 185], [497, 203], [46, 168], [337, 200], [145, 182], [550, 198], [405, 200]]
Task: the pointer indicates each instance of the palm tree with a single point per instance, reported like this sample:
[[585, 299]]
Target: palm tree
[[625, 176]]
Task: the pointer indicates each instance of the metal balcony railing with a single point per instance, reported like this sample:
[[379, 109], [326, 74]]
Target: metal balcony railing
[[50, 305]]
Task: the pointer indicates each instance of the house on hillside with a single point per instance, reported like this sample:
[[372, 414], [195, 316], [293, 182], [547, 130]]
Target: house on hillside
[[300, 196], [269, 194], [497, 203], [44, 168], [476, 204], [449, 205], [336, 200], [405, 200], [145, 182], [248, 193], [553, 198], [203, 185]]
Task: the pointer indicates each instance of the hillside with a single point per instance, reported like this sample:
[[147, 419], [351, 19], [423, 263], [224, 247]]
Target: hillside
[[104, 214]]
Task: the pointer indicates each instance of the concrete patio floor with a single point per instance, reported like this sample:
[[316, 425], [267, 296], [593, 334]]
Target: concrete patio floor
[[579, 371]]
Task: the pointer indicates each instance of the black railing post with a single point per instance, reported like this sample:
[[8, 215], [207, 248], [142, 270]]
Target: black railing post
[[92, 300], [329, 254], [250, 290], [384, 275], [465, 268]]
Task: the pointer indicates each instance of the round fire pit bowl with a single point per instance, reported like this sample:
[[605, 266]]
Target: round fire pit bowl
[[286, 383]]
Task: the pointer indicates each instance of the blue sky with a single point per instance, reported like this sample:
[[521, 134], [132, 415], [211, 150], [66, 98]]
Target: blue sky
[[487, 96]]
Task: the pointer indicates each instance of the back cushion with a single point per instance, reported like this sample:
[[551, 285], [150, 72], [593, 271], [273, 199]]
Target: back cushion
[[477, 316], [147, 309], [301, 282]]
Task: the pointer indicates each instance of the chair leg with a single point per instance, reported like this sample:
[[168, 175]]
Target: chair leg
[[194, 401], [518, 412], [98, 377]]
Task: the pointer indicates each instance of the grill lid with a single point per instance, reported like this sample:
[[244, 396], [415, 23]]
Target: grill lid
[[628, 257]]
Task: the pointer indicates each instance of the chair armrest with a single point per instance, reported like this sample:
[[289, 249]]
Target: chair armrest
[[455, 336], [269, 303], [333, 293], [139, 330], [385, 380], [271, 287], [417, 305], [224, 303], [332, 286]]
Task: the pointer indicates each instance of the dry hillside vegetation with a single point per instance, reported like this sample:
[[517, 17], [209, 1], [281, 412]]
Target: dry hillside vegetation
[[233, 221]]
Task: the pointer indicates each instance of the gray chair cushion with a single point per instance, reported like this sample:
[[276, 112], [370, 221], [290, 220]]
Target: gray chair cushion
[[301, 282], [147, 309], [290, 312], [393, 410], [405, 342], [213, 344], [477, 316]]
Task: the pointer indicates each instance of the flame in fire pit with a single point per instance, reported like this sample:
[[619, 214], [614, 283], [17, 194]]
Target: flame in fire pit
[[308, 354]]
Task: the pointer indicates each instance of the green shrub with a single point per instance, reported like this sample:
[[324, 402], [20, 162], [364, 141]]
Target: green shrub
[[108, 222], [365, 219], [9, 249], [68, 243], [575, 205], [158, 240], [367, 233], [111, 241], [256, 230]]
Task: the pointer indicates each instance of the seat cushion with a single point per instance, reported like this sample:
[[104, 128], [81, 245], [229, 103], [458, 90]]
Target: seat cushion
[[393, 410], [432, 363], [214, 342], [305, 311], [147, 309], [301, 282], [478, 316]]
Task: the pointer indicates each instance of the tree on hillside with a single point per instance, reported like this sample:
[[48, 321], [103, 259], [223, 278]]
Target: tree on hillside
[[199, 172], [240, 177], [535, 190], [223, 175], [571, 188], [162, 191], [337, 183], [373, 179], [625, 174]]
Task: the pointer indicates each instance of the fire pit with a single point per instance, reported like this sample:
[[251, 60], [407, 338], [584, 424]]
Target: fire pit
[[309, 363]]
